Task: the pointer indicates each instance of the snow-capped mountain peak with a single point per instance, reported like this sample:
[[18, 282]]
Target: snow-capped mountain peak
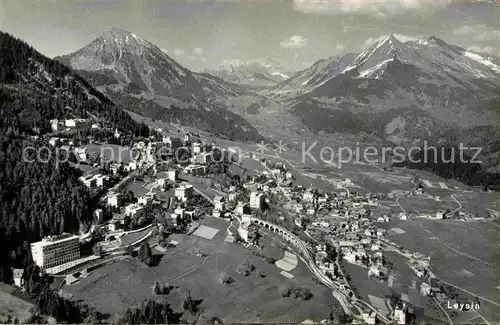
[[429, 80], [259, 72], [398, 66]]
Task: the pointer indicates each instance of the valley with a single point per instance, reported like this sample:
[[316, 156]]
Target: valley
[[234, 162]]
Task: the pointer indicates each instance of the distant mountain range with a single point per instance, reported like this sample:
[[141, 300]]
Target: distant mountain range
[[400, 91], [256, 72]]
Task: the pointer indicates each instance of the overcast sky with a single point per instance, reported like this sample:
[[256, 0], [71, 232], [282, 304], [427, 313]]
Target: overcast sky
[[199, 34]]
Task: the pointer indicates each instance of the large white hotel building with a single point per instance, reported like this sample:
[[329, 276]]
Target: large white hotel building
[[53, 251]]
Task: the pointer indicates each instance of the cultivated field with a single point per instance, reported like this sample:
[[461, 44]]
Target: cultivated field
[[466, 254], [420, 204], [478, 202], [251, 165]]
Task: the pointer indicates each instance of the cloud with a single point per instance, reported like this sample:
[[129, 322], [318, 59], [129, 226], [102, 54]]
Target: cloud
[[198, 51], [484, 49], [478, 32], [372, 40], [408, 38], [178, 51], [402, 38], [381, 9], [295, 41], [340, 48], [464, 30]]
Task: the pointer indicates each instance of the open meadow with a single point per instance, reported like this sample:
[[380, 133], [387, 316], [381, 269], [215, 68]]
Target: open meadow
[[466, 254], [13, 308], [112, 152], [423, 205], [195, 264], [138, 187]]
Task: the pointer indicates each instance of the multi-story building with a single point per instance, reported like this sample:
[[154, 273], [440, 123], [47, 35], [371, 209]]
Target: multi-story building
[[101, 180], [73, 123], [202, 158], [81, 154], [17, 274], [197, 148], [242, 208], [54, 124], [172, 175], [98, 216], [52, 251], [184, 192], [133, 209], [256, 200], [195, 170], [114, 199], [243, 228], [219, 203], [400, 313], [89, 181], [146, 199]]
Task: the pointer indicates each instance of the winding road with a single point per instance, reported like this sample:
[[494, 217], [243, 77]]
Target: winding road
[[459, 205]]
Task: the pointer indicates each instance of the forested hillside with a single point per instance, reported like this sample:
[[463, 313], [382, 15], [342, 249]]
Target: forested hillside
[[448, 162], [39, 197]]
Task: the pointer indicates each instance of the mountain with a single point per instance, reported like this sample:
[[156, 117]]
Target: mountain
[[39, 89], [41, 194], [399, 90], [130, 69], [129, 59], [254, 72]]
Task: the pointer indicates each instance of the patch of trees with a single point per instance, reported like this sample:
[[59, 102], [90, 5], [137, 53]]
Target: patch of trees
[[38, 199], [449, 163], [151, 312], [49, 303], [145, 255], [190, 304], [97, 250], [210, 321], [337, 316], [319, 119], [245, 268], [288, 290], [224, 278], [163, 289], [34, 280], [331, 253]]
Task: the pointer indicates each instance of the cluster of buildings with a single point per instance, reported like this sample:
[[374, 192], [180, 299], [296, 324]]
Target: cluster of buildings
[[345, 221], [130, 210], [60, 125]]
